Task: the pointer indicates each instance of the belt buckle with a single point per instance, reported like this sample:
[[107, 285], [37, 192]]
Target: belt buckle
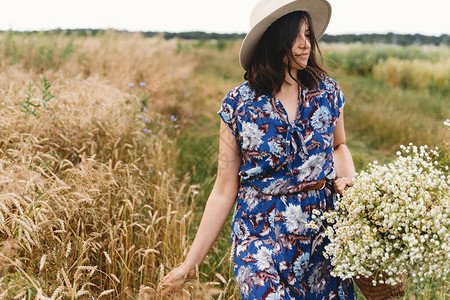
[[323, 185]]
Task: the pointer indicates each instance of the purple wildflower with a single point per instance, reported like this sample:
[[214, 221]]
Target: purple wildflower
[[131, 85], [142, 84], [173, 118]]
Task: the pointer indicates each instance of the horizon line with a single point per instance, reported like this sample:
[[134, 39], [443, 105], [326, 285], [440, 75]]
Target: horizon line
[[208, 32]]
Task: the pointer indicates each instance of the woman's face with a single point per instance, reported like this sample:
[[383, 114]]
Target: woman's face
[[301, 47]]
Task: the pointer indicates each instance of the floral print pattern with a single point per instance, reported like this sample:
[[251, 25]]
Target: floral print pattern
[[320, 120], [277, 256]]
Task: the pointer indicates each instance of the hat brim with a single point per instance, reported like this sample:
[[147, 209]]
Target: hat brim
[[319, 10]]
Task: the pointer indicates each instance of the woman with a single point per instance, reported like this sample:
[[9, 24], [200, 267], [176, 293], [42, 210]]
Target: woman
[[282, 154]]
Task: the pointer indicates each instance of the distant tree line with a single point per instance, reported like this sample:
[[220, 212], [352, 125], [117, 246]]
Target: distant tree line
[[387, 38], [196, 35]]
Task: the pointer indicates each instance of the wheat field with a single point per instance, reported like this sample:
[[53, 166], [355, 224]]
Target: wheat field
[[108, 150]]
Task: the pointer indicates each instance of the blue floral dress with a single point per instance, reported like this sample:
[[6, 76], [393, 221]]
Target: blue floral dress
[[276, 256]]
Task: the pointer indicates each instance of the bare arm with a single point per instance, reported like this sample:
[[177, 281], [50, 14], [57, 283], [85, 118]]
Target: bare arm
[[217, 209], [221, 199], [343, 162]]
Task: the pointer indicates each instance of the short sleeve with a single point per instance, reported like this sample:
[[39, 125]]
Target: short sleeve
[[228, 113], [339, 100]]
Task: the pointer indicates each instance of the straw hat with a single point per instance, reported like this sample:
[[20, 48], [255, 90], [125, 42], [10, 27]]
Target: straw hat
[[268, 11]]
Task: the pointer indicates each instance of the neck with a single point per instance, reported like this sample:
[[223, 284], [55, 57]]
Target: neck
[[289, 83], [288, 79]]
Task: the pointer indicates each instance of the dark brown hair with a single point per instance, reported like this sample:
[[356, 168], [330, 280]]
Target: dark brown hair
[[266, 72]]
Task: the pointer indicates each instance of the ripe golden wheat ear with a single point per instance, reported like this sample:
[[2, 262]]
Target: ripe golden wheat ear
[[86, 194]]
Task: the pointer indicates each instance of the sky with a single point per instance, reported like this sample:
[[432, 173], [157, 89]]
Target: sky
[[226, 16]]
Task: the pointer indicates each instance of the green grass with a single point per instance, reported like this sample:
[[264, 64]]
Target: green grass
[[383, 117], [37, 52], [378, 119], [359, 59]]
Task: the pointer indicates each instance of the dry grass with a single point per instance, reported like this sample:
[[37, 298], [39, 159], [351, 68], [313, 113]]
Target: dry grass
[[91, 203], [415, 74]]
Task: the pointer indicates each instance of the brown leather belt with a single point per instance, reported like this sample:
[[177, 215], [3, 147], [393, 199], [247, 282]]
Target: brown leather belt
[[317, 186]]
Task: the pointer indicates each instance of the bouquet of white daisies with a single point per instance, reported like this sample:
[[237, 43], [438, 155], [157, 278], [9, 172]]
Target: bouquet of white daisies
[[394, 221]]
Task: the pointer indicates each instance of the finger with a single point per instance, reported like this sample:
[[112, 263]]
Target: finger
[[338, 180], [169, 285], [159, 288], [164, 283], [338, 183], [350, 182], [339, 187], [341, 184], [170, 290], [164, 290]]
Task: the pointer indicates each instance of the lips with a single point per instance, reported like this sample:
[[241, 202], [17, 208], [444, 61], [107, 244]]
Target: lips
[[302, 56]]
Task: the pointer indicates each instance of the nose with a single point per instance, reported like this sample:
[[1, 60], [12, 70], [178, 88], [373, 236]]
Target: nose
[[303, 42]]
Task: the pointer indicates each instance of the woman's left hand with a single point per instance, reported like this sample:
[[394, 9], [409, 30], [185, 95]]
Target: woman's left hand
[[342, 183]]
